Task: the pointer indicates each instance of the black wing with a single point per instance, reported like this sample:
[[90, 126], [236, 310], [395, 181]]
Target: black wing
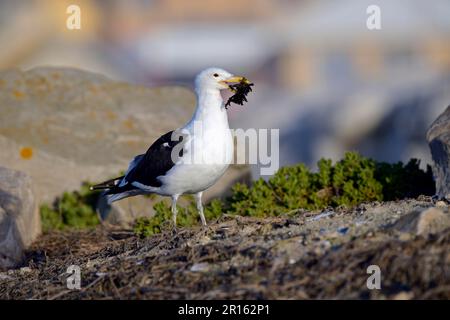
[[108, 184], [156, 161]]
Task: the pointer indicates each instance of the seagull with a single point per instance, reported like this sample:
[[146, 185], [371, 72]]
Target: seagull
[[187, 160]]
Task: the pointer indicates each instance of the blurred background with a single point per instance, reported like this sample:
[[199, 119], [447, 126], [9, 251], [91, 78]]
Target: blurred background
[[326, 81]]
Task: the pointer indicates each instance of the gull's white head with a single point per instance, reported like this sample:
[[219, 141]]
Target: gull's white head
[[215, 78]]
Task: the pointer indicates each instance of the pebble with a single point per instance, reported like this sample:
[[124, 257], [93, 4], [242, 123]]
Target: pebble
[[101, 274], [25, 270], [4, 276], [404, 236], [200, 267], [404, 295], [320, 216], [441, 204], [204, 240]]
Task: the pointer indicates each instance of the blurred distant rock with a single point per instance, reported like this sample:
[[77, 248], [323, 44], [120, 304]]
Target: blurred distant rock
[[384, 124], [387, 126], [19, 217], [64, 126], [423, 222], [438, 137]]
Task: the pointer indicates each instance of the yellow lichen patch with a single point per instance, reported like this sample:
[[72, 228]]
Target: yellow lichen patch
[[111, 115], [18, 94], [128, 124], [26, 153], [2, 83]]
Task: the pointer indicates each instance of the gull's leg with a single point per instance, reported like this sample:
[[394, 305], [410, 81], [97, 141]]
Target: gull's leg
[[174, 209], [198, 198]]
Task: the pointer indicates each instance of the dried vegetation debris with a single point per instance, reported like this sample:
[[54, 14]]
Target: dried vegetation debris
[[323, 254]]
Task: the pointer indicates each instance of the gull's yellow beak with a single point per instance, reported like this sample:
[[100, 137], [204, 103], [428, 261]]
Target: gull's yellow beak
[[234, 79]]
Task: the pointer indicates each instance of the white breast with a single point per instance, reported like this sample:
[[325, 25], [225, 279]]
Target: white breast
[[204, 161]]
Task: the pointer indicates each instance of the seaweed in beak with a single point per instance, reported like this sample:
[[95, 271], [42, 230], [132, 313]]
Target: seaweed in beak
[[241, 90]]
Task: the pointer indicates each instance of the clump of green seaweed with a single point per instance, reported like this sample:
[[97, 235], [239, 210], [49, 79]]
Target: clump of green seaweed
[[241, 90]]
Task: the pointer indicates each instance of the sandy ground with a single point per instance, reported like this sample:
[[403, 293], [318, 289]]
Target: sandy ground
[[301, 255]]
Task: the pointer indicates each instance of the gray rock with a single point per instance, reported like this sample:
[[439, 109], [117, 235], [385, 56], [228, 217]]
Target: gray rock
[[386, 122], [438, 137], [19, 217], [64, 126], [423, 222], [201, 267]]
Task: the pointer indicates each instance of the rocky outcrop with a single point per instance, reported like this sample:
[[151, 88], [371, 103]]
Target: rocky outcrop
[[64, 126], [438, 137], [19, 217], [423, 222]]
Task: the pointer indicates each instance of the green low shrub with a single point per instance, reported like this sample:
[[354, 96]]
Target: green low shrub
[[71, 210], [350, 181], [404, 181]]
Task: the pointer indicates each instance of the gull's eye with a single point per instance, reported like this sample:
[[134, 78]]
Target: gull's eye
[[216, 75]]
